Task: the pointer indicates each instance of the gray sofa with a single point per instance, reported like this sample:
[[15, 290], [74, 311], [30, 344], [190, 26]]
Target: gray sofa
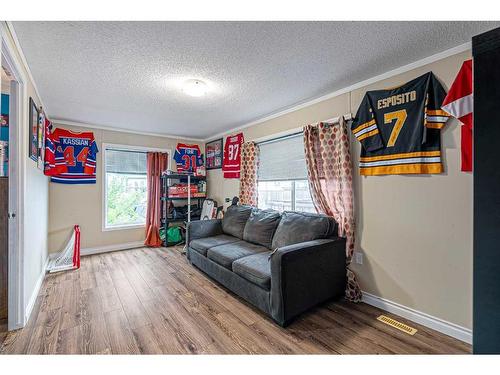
[[283, 264]]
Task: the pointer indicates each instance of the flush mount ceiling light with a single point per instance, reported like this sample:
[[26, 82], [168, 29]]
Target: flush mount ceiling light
[[195, 87]]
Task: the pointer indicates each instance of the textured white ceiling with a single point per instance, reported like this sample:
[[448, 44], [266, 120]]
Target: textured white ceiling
[[127, 74]]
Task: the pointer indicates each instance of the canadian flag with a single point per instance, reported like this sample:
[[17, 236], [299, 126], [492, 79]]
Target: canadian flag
[[459, 103]]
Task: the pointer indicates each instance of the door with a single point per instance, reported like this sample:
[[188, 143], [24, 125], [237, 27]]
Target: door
[[486, 290], [16, 91], [4, 251], [4, 196]]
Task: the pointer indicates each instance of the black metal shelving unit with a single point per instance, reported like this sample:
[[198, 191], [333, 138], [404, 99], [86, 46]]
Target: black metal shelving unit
[[166, 182]]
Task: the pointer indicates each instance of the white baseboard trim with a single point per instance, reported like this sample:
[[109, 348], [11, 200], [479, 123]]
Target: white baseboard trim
[[440, 325], [34, 294], [108, 248]]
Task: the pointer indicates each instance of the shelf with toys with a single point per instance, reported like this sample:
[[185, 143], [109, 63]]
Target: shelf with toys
[[179, 187]]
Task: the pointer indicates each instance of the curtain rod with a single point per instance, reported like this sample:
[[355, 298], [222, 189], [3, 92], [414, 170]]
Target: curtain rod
[[131, 151], [347, 117], [280, 138], [125, 150], [297, 131]]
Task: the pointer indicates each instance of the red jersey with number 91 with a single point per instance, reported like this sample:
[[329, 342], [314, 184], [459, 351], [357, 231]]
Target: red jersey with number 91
[[232, 156], [75, 157]]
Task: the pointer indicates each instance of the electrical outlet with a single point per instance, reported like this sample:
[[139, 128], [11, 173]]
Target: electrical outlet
[[359, 257]]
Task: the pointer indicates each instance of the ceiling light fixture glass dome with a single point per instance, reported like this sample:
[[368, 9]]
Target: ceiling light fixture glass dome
[[195, 87]]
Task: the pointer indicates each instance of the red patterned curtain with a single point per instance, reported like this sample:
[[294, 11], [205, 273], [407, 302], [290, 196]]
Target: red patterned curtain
[[248, 173], [329, 171], [156, 164]]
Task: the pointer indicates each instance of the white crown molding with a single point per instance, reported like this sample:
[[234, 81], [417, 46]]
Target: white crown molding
[[405, 68], [437, 324], [10, 28], [121, 130], [391, 73], [109, 248]]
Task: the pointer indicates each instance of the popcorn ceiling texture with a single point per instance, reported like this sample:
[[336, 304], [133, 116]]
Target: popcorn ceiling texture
[[127, 74]]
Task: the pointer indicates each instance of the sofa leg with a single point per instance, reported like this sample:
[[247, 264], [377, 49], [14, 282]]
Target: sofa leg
[[283, 324]]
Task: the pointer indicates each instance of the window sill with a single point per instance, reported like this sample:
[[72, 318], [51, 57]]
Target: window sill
[[123, 227]]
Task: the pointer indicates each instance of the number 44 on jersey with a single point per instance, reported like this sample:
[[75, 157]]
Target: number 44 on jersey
[[70, 157]]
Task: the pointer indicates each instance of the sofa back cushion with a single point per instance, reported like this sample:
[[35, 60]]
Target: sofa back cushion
[[260, 227], [235, 219], [295, 227]]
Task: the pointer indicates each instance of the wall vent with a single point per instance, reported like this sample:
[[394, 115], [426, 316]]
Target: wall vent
[[398, 325]]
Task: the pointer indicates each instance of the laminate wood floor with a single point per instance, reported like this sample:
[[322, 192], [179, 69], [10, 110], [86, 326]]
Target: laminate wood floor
[[152, 301]]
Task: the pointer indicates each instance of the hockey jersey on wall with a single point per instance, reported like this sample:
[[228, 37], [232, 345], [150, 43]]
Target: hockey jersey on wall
[[459, 103], [187, 158], [232, 156], [49, 150], [399, 129], [73, 159]]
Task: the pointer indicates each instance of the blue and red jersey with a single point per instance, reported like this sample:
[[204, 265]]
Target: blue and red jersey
[[71, 157], [187, 157]]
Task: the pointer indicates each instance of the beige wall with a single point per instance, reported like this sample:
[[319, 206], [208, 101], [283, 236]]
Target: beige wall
[[415, 231], [83, 204]]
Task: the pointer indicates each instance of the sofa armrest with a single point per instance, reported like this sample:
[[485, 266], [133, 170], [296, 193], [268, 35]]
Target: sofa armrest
[[306, 274], [203, 228]]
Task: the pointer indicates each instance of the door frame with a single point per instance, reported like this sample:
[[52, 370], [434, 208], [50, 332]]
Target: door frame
[[18, 117]]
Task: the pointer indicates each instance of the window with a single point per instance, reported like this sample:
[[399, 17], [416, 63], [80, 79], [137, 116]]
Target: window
[[125, 190], [282, 179]]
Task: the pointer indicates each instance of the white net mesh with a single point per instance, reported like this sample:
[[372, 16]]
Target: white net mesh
[[66, 260]]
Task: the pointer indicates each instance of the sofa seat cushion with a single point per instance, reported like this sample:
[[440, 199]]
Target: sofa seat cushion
[[201, 245], [225, 255], [260, 227], [235, 219], [255, 268], [295, 227]]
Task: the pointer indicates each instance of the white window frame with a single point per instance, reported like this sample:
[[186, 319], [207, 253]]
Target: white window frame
[[293, 181], [275, 138], [105, 146]]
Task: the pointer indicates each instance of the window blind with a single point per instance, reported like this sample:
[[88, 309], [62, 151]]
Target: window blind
[[125, 161], [283, 159]]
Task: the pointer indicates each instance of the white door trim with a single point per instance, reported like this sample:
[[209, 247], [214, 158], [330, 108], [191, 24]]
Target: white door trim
[[16, 308]]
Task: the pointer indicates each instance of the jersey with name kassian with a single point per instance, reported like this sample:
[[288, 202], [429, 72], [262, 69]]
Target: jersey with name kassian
[[399, 129], [75, 157]]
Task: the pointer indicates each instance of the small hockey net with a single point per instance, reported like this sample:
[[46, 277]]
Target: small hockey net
[[69, 258]]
